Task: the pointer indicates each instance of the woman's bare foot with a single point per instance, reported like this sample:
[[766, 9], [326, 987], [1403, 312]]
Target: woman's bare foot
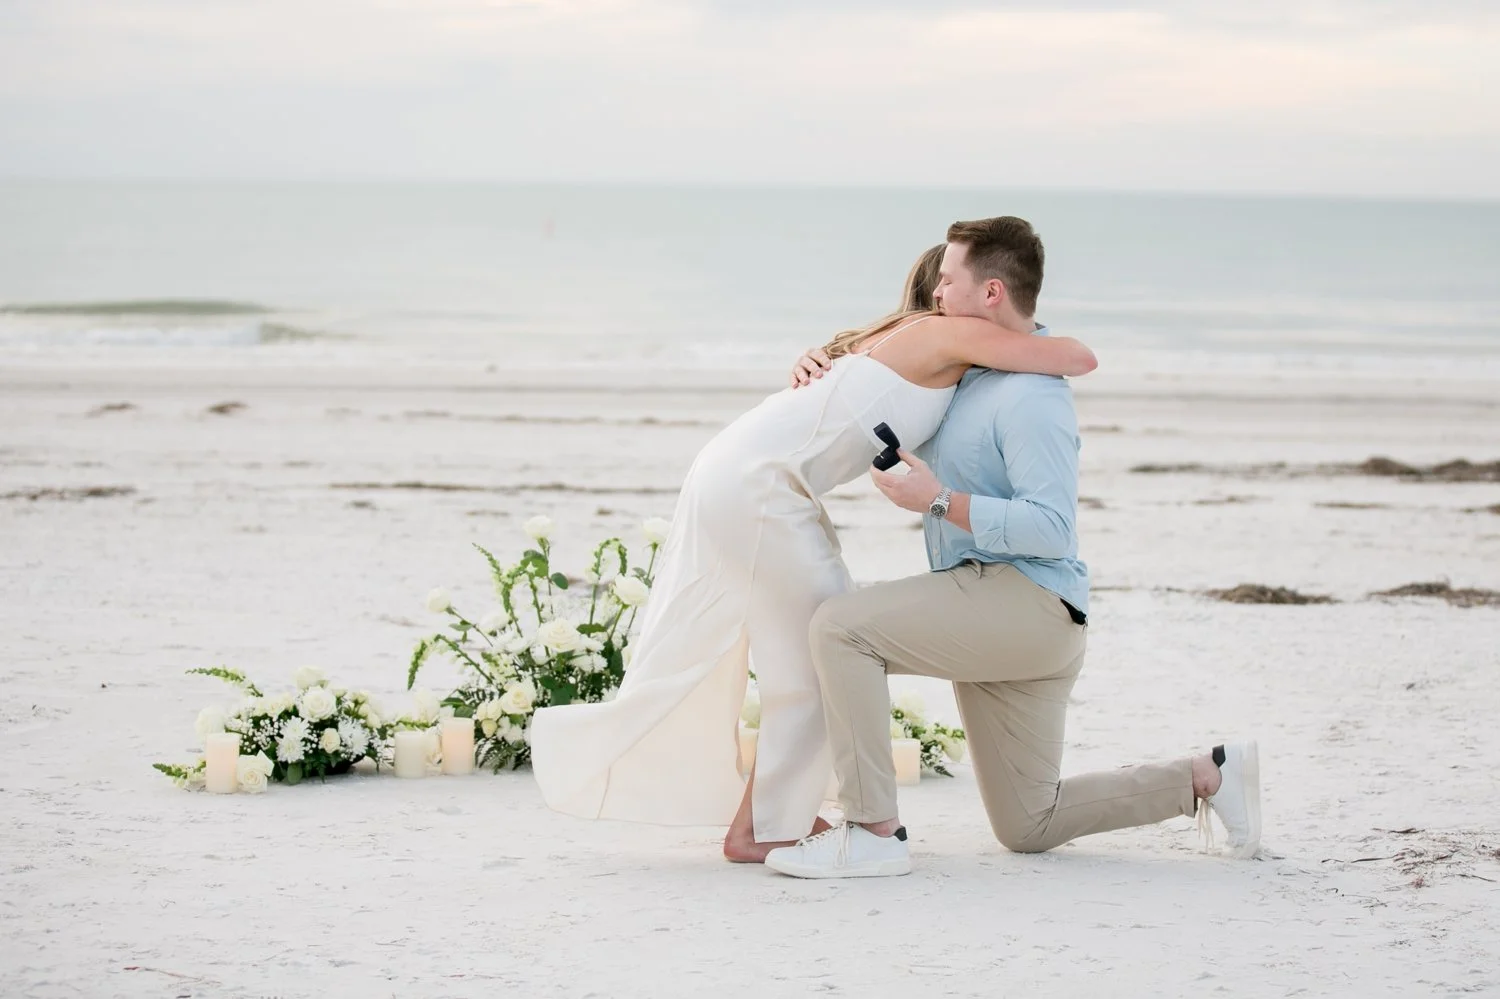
[[740, 846]]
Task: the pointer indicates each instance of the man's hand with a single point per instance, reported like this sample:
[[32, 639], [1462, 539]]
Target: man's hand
[[809, 366], [913, 491]]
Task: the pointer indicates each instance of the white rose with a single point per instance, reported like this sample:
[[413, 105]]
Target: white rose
[[317, 703], [539, 654], [428, 707], [253, 773], [630, 591], [210, 720], [493, 621], [538, 528], [439, 601], [750, 710], [370, 714], [912, 706], [489, 726], [518, 698], [952, 748], [560, 635], [308, 676], [329, 740], [656, 530], [898, 731], [252, 781], [279, 704]]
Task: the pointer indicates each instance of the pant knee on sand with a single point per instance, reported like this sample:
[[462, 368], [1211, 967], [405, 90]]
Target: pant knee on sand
[[1020, 832], [1022, 837]]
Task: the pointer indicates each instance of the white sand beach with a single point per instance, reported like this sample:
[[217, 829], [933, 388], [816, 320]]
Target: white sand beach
[[292, 529]]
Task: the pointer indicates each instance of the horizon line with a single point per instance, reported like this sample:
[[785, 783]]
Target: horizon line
[[767, 185]]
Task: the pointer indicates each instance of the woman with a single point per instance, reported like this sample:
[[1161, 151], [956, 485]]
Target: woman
[[750, 557]]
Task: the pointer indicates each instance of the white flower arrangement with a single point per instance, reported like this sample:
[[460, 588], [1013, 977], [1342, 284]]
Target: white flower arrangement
[[316, 732], [545, 644], [941, 744]]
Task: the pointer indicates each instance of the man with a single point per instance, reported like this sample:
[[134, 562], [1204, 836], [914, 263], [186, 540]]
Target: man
[[1002, 615]]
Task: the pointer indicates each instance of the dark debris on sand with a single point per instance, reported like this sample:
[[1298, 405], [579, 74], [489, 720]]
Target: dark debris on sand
[[1443, 590], [1459, 470], [227, 408], [1255, 593], [83, 493], [112, 407], [1191, 466]]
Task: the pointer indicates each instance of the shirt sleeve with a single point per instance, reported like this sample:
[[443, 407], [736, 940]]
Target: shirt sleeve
[[1038, 438]]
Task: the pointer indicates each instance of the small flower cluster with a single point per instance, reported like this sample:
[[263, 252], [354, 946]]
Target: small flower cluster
[[941, 744], [314, 731], [543, 644]]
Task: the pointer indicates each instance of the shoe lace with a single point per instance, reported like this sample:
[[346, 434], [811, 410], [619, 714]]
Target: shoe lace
[[1205, 826], [839, 832]]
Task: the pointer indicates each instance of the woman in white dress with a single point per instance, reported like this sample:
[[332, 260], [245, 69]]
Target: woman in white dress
[[751, 555]]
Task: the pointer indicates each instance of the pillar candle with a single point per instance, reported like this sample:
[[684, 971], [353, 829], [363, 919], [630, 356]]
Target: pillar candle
[[907, 754], [221, 756], [458, 745], [748, 739], [411, 753]]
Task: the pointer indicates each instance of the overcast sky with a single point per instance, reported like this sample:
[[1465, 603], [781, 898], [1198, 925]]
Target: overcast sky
[[1316, 96]]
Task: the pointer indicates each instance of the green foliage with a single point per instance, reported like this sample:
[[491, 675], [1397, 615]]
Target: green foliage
[[229, 676], [418, 658], [174, 771]]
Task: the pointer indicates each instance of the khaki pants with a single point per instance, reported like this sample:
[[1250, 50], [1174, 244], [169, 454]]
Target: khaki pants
[[1013, 653]]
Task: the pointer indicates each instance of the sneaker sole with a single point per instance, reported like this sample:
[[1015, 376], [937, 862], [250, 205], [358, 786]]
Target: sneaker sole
[[1250, 764], [891, 868]]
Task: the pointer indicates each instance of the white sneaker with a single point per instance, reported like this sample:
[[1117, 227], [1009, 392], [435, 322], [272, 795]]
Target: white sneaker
[[1238, 802], [844, 851]]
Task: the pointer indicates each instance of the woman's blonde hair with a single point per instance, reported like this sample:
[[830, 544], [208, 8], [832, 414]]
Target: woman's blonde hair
[[916, 300]]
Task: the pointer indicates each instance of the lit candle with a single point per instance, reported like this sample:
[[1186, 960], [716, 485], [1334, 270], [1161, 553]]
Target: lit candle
[[458, 745], [907, 754], [411, 753], [748, 739], [221, 756]]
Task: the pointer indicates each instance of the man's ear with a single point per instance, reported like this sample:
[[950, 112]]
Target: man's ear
[[994, 292]]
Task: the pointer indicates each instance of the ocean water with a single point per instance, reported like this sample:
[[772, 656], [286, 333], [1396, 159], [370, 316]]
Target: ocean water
[[704, 276]]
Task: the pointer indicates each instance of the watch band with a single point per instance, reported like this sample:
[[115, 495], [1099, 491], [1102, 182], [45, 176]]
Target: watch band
[[940, 505]]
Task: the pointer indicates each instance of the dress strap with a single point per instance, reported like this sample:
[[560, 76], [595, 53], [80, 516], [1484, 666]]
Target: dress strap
[[898, 329]]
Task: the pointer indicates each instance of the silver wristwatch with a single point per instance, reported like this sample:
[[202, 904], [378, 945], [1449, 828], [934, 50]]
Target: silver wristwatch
[[939, 508]]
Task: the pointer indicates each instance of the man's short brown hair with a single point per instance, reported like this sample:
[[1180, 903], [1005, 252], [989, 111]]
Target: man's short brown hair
[[1006, 248]]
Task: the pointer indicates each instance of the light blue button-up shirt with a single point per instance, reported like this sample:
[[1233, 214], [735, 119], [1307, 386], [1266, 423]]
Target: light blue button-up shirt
[[1011, 442]]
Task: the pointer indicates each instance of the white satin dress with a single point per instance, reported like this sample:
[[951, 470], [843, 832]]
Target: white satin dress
[[751, 555]]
